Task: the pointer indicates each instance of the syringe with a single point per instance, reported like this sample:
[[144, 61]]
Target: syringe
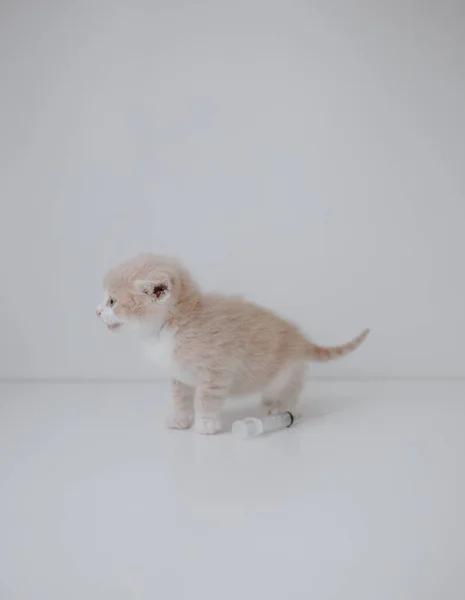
[[253, 426]]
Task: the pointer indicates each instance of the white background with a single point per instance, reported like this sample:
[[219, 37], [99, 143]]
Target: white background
[[307, 154]]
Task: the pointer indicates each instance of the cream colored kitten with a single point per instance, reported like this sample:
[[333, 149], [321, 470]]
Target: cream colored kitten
[[212, 346]]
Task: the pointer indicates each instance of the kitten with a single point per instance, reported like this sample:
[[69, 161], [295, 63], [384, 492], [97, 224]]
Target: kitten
[[212, 345]]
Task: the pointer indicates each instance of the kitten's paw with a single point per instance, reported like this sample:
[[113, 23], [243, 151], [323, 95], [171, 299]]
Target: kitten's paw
[[207, 426], [180, 421]]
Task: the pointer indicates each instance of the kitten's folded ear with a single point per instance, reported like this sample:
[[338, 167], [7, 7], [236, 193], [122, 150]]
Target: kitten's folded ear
[[159, 289]]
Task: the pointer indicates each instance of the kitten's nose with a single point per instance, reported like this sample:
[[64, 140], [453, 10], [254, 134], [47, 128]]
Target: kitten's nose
[[98, 312]]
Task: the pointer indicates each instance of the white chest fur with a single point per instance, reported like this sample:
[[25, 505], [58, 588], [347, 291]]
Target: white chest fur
[[159, 349]]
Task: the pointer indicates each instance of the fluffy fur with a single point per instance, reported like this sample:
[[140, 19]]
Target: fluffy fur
[[213, 346]]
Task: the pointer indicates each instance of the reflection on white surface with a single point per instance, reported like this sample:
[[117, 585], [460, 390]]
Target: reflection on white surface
[[361, 499]]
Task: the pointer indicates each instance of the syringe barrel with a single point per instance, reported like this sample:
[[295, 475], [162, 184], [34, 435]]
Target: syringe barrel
[[253, 426]]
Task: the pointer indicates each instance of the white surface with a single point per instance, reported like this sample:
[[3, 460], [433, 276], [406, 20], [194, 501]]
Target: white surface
[[307, 154], [362, 500]]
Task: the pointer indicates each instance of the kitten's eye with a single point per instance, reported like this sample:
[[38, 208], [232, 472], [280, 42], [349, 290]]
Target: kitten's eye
[[111, 302]]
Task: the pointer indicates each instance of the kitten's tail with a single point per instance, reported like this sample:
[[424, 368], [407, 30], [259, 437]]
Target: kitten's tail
[[322, 354]]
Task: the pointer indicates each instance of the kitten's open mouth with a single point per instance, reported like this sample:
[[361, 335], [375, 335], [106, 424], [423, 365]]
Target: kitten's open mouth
[[114, 326]]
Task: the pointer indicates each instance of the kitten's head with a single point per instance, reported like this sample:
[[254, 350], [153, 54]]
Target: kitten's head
[[139, 293]]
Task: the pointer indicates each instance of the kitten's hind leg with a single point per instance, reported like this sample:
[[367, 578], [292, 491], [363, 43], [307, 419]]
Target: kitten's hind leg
[[283, 390]]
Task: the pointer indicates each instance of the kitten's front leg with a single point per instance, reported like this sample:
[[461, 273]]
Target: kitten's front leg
[[183, 406], [208, 403]]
